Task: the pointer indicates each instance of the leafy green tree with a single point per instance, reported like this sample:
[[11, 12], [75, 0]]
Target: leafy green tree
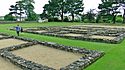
[[9, 17], [13, 11], [51, 9], [109, 7], [44, 15], [28, 1], [74, 7], [60, 7], [90, 15], [29, 10], [55, 8], [119, 19], [20, 7], [17, 7], [121, 3], [124, 16]]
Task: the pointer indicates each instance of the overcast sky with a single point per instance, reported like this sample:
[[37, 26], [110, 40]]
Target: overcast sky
[[5, 4]]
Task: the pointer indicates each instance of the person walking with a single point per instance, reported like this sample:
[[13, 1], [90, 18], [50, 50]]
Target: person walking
[[18, 28]]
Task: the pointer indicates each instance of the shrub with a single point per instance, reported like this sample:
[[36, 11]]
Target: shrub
[[9, 17], [66, 19], [119, 19]]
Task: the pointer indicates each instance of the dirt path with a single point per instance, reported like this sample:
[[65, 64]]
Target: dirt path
[[48, 56]]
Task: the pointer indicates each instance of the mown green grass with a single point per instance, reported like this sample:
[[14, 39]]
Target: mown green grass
[[114, 58]]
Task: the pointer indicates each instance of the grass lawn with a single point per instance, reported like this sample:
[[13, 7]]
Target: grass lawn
[[114, 58]]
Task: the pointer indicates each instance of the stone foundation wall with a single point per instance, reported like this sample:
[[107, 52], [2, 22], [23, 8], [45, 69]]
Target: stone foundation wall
[[90, 55], [119, 33], [117, 40]]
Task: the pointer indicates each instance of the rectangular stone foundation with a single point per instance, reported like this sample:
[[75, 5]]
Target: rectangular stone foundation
[[4, 43], [48, 56], [36, 55], [10, 42]]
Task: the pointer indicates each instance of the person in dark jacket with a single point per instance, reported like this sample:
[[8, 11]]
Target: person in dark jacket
[[18, 29]]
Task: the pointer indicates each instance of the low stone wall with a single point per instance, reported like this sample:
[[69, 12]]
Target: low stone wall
[[23, 63], [119, 33], [89, 57], [4, 37], [117, 40]]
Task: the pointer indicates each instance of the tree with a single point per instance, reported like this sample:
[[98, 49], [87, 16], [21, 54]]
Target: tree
[[20, 7], [9, 17], [29, 10], [51, 9], [17, 7], [13, 10], [44, 15], [62, 7], [122, 4], [109, 7], [90, 15], [74, 7], [54, 8]]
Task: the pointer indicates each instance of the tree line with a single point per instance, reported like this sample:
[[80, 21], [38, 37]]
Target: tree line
[[110, 11], [22, 9], [60, 7], [60, 10]]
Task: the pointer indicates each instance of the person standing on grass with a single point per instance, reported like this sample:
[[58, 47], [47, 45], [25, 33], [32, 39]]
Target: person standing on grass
[[18, 28]]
